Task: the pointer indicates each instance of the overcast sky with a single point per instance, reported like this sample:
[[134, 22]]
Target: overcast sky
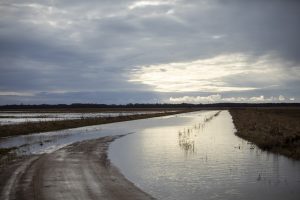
[[122, 51]]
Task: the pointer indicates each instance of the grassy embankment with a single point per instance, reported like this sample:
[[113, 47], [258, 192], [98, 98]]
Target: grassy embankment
[[275, 130], [45, 126]]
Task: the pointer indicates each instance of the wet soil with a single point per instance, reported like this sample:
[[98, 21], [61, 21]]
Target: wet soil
[[78, 171]]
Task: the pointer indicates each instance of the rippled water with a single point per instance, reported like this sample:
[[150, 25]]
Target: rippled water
[[201, 158]]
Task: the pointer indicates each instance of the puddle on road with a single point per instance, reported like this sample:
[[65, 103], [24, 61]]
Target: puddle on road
[[203, 159]]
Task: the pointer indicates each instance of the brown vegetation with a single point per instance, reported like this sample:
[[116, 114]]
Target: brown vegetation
[[275, 130], [4, 151]]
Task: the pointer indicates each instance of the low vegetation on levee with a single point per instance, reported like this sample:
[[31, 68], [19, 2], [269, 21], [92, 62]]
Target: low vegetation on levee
[[45, 126], [275, 130]]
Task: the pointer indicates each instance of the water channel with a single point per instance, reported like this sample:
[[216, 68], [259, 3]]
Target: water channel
[[203, 159]]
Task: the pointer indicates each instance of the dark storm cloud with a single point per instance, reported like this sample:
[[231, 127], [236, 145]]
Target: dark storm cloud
[[91, 48], [270, 26]]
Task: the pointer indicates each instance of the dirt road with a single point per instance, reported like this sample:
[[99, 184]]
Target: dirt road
[[78, 171]]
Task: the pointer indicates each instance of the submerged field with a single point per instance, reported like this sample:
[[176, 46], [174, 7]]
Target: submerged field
[[73, 119], [275, 130]]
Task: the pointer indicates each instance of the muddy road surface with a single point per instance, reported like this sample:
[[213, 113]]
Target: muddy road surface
[[78, 171]]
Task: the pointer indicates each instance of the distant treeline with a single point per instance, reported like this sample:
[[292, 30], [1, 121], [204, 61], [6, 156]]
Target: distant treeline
[[139, 105]]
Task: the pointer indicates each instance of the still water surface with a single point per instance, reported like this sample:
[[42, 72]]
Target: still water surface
[[8, 118], [201, 158], [50, 141]]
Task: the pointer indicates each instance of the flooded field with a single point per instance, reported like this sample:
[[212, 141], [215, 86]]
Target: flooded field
[[50, 141], [186, 156], [21, 117], [203, 159]]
